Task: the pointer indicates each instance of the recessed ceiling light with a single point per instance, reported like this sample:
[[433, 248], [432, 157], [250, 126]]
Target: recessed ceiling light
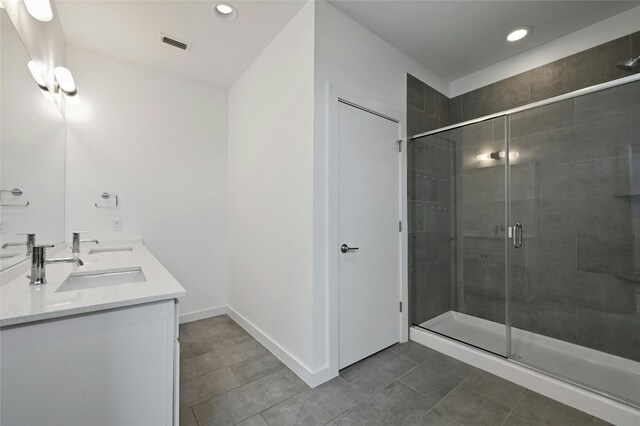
[[518, 33], [225, 11]]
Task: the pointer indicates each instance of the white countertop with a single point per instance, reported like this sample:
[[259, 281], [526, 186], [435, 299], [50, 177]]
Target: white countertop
[[22, 303]]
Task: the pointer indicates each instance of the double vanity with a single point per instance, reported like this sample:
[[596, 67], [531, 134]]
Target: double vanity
[[95, 344], [88, 330]]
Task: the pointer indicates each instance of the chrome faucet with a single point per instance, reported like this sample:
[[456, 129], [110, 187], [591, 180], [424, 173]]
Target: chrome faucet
[[31, 241], [39, 262], [75, 245]]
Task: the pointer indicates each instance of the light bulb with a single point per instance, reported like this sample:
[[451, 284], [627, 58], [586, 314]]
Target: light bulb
[[37, 72], [39, 9], [65, 79], [225, 9], [518, 33]]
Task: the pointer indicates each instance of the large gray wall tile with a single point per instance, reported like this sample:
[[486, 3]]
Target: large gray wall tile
[[635, 44], [608, 104], [437, 104], [546, 318], [542, 119], [584, 69], [415, 92], [602, 177], [595, 331], [607, 293], [455, 105], [419, 121], [505, 94]]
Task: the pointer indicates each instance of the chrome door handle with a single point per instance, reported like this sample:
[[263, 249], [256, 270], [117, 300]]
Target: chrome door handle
[[517, 236], [346, 249]]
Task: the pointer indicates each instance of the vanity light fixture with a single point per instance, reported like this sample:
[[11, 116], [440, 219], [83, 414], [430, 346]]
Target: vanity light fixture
[[39, 9], [498, 155], [519, 33], [37, 74], [64, 82], [225, 11]]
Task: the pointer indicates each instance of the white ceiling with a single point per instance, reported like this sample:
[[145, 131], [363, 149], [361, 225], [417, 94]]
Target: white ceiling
[[220, 50], [457, 38], [451, 38]]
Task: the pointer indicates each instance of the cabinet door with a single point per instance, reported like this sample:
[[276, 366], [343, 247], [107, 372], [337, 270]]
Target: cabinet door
[[112, 367]]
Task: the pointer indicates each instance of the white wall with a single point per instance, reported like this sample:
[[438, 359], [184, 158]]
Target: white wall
[[278, 174], [160, 143], [271, 190], [601, 32]]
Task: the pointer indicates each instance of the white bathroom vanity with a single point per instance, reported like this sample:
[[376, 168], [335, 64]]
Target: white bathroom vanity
[[96, 345]]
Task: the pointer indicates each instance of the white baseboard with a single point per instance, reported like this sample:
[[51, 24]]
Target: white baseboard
[[205, 313], [574, 396], [312, 378]]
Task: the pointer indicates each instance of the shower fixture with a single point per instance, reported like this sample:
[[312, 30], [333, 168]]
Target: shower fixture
[[496, 155], [630, 65]]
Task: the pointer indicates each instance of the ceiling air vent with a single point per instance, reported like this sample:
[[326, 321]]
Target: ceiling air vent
[[173, 42]]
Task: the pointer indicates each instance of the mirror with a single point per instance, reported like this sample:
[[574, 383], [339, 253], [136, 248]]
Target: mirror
[[32, 155]]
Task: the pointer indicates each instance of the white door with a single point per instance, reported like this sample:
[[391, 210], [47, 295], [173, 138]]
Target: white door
[[369, 186]]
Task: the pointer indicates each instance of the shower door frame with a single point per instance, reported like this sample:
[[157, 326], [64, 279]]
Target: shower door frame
[[507, 182]]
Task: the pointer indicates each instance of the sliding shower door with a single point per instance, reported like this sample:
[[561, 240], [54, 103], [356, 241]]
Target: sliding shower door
[[574, 264], [458, 234]]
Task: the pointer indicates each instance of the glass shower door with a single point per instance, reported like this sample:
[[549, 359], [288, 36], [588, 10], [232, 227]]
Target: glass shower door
[[457, 232], [574, 263]]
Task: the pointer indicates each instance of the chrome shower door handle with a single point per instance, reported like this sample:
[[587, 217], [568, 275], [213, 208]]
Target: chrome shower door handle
[[517, 236]]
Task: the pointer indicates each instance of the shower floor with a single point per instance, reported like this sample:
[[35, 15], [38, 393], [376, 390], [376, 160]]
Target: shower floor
[[612, 374]]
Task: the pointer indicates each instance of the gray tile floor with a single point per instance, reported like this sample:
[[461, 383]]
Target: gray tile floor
[[228, 378]]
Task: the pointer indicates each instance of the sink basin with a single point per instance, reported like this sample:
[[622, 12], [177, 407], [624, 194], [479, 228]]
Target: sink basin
[[104, 278], [110, 250]]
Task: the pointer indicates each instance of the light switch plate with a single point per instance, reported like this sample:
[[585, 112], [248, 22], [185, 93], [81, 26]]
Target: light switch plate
[[117, 224]]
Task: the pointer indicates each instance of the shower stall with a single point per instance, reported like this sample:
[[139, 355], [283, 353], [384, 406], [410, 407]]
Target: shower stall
[[524, 236]]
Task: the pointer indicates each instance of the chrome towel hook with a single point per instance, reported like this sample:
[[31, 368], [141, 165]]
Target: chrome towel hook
[[16, 192], [106, 196]]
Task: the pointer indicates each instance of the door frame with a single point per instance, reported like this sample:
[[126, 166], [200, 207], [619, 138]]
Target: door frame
[[336, 95]]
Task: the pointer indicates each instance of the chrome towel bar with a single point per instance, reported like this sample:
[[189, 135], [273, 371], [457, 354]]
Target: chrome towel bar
[[16, 192], [106, 196]]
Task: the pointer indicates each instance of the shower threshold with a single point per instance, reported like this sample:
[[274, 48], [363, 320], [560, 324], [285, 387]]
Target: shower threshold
[[619, 377]]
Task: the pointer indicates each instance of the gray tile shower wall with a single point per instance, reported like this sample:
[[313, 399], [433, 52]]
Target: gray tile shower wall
[[577, 278], [429, 196], [584, 69]]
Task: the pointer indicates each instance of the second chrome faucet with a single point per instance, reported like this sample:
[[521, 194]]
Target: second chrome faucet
[[75, 244], [31, 241]]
